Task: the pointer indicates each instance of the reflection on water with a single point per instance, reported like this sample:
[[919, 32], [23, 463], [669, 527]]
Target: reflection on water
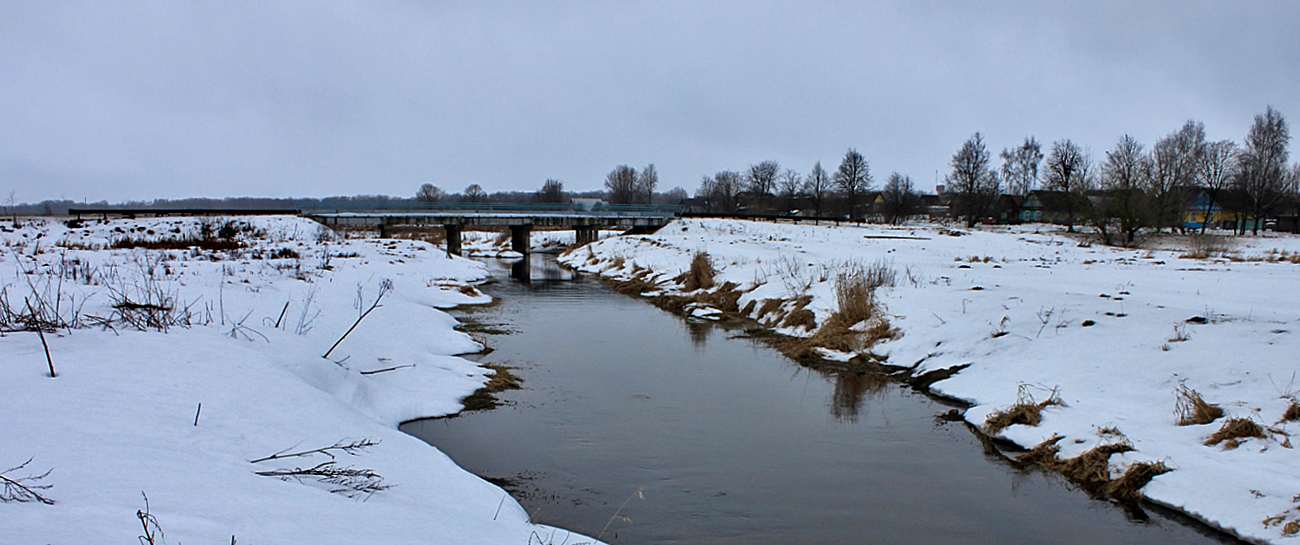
[[728, 442], [851, 389], [698, 331]]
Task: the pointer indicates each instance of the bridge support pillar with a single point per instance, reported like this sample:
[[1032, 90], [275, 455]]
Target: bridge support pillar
[[452, 232], [383, 229], [586, 234], [521, 238]]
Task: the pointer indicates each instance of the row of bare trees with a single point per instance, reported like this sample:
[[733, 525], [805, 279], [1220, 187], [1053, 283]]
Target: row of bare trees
[[1134, 190], [767, 188]]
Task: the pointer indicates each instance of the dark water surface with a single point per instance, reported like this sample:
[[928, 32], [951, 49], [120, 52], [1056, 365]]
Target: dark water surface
[[729, 442]]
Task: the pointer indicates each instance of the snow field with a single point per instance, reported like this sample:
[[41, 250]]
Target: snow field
[[118, 421], [1032, 307]]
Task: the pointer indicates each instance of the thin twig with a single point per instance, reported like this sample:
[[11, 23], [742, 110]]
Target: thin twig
[[16, 490], [384, 287], [351, 448], [40, 331], [282, 311], [377, 371]]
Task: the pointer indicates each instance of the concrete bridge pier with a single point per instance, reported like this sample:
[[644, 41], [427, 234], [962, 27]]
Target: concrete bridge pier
[[586, 234], [521, 238], [452, 232]]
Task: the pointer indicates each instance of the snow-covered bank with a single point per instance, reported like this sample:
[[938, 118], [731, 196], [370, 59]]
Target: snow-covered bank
[[120, 419], [1113, 332]]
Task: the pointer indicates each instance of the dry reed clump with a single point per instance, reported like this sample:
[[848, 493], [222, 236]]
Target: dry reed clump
[[726, 297], [1234, 432], [800, 317], [1091, 470], [1025, 411], [1043, 454], [700, 275], [1191, 408], [1292, 413], [769, 306], [1129, 485]]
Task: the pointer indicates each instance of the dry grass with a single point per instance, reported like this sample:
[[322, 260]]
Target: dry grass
[[1091, 470], [1129, 485], [1192, 409], [1043, 454], [1292, 413], [701, 274], [855, 297], [1026, 411], [1234, 432], [800, 317], [769, 306], [499, 381]]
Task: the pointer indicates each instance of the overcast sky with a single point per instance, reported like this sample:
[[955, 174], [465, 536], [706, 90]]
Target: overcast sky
[[143, 100]]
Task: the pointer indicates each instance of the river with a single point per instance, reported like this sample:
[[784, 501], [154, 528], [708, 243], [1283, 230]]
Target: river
[[642, 427]]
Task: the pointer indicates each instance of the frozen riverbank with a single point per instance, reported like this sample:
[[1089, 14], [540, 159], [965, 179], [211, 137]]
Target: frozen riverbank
[[1114, 333], [249, 322]]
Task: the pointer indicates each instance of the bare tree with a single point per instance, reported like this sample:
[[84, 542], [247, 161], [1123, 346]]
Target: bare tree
[[976, 186], [761, 178], [817, 186], [853, 179], [1218, 169], [646, 182], [428, 193], [1126, 204], [901, 198], [675, 195], [1067, 171], [1175, 160], [1020, 166], [1263, 173], [720, 191], [475, 193], [621, 184], [551, 192], [788, 186]]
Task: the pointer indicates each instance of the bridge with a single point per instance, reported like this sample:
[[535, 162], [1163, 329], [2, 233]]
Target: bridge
[[586, 219]]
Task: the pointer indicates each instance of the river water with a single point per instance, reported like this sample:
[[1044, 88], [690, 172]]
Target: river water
[[642, 427]]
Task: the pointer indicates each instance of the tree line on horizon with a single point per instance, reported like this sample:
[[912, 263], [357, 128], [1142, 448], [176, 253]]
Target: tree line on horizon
[[1130, 191], [1133, 189]]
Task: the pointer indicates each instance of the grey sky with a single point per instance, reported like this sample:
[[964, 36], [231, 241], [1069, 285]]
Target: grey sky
[[144, 100]]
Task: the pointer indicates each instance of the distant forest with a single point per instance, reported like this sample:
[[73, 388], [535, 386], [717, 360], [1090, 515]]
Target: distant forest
[[60, 207]]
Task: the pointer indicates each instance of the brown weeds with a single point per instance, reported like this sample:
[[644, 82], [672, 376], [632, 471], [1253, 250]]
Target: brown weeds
[[1129, 485], [1025, 411], [499, 381], [769, 305], [800, 317], [1234, 432], [1043, 454], [1191, 408], [701, 273], [1091, 470], [1292, 413]]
